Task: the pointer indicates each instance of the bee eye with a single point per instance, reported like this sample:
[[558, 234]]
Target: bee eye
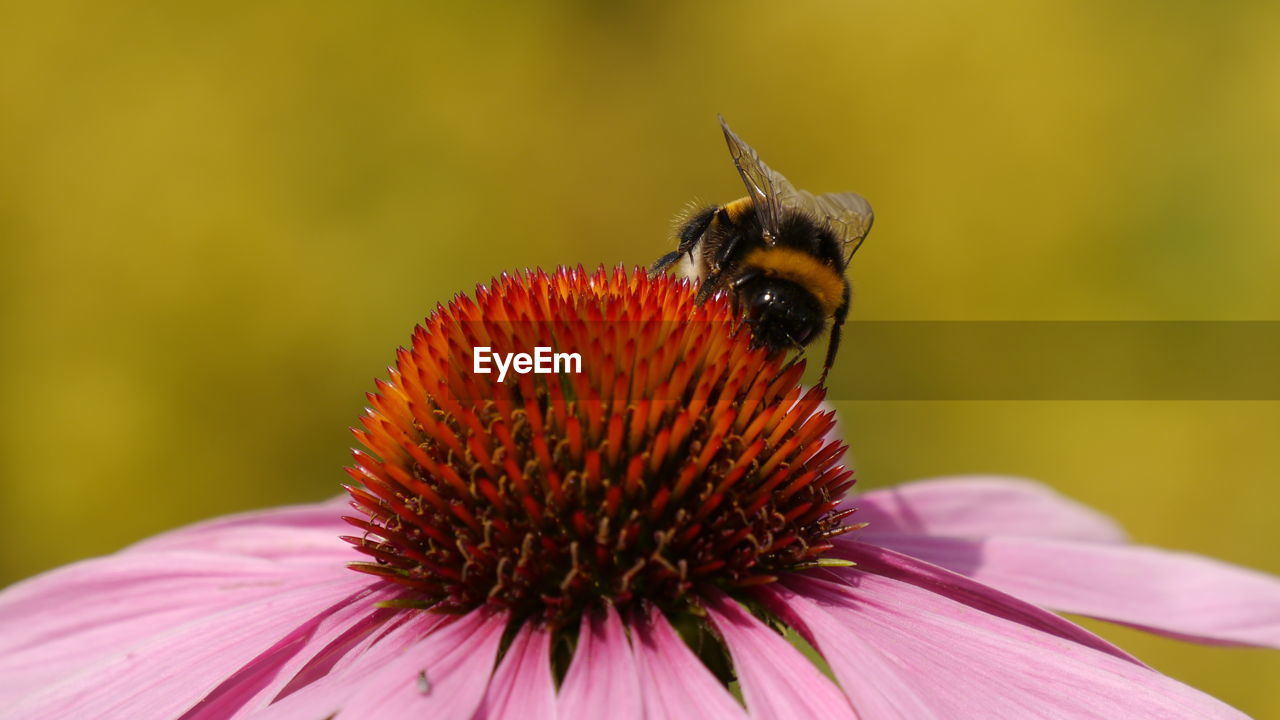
[[759, 304]]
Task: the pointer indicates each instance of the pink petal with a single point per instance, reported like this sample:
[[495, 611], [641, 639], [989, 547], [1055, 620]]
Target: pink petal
[[296, 533], [65, 620], [421, 668], [522, 687], [602, 679], [1177, 594], [301, 658], [169, 672], [777, 681], [673, 681], [961, 589], [321, 692], [976, 506], [333, 650], [903, 652], [442, 677]]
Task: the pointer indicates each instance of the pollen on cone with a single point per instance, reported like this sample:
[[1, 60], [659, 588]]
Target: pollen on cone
[[679, 459]]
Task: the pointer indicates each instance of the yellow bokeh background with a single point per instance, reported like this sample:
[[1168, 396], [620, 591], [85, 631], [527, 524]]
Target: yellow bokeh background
[[219, 219]]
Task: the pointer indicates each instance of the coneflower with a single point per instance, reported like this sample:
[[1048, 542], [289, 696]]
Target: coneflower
[[661, 532]]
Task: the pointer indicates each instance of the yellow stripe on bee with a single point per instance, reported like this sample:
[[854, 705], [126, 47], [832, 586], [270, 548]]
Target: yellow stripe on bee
[[738, 208], [803, 269]]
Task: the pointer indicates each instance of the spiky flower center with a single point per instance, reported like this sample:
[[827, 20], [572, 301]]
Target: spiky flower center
[[679, 458]]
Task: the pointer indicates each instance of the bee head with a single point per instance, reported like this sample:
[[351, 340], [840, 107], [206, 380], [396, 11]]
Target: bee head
[[781, 313]]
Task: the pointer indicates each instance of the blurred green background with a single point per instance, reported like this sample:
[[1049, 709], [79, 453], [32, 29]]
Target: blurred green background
[[220, 218]]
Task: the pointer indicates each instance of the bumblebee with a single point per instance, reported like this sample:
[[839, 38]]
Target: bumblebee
[[780, 251]]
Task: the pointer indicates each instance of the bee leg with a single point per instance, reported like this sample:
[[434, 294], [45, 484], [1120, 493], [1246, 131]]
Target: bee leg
[[716, 273], [693, 231], [710, 284], [725, 253], [833, 343], [665, 262], [690, 235], [745, 278], [796, 343]]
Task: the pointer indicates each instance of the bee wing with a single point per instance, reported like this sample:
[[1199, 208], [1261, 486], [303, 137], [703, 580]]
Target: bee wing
[[848, 215], [768, 190]]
